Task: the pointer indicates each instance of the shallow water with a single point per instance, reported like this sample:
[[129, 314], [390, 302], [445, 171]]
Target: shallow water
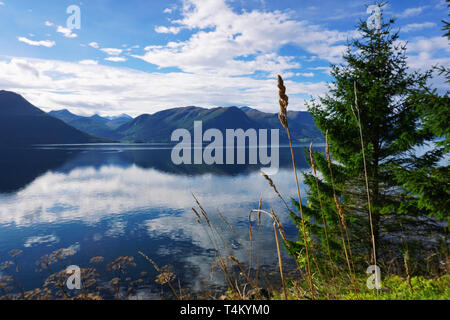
[[116, 200]]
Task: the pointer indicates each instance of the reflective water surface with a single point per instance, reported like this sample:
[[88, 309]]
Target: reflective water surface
[[116, 200]]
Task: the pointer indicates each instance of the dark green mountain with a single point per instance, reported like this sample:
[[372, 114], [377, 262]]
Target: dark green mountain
[[21, 123], [117, 121], [301, 124], [95, 125], [65, 115], [159, 126]]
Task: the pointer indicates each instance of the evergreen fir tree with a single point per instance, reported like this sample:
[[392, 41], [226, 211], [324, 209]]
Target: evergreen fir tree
[[390, 108]]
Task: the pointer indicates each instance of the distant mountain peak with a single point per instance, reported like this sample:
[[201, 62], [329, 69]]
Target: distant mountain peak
[[11, 93], [62, 111], [13, 104], [21, 123], [4, 94], [120, 116], [248, 109], [99, 117]]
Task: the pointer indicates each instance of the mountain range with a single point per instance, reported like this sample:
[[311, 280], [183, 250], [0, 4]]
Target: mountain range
[[95, 125], [159, 126], [22, 123]]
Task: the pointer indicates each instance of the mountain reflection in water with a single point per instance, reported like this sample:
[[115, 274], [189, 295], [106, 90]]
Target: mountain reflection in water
[[116, 200]]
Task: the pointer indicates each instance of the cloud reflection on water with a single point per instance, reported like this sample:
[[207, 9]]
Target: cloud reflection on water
[[128, 202]]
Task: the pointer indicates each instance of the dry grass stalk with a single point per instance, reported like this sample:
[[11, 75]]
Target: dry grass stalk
[[284, 102], [408, 273], [340, 213], [223, 266], [14, 254], [221, 261], [259, 214], [275, 219], [274, 187], [211, 227], [247, 277], [164, 277], [250, 231], [258, 247], [278, 225], [358, 118], [202, 211], [280, 261], [324, 220]]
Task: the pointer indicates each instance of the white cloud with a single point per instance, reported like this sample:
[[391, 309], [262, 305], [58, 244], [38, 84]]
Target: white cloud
[[162, 29], [442, 4], [326, 70], [127, 190], [418, 26], [89, 62], [230, 43], [423, 53], [43, 43], [60, 29], [116, 59], [168, 10], [2, 3], [66, 32], [428, 44], [90, 88], [307, 74], [411, 12], [217, 63], [112, 51], [38, 240]]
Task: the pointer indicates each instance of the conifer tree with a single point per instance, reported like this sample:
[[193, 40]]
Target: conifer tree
[[373, 113]]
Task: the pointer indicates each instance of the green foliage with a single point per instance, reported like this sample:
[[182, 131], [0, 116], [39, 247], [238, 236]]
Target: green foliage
[[397, 288], [397, 113], [158, 127], [392, 288], [426, 179]]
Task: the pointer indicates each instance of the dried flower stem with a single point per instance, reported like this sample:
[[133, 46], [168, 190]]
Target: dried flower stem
[[280, 262], [160, 271], [324, 220], [284, 102], [358, 118], [340, 212]]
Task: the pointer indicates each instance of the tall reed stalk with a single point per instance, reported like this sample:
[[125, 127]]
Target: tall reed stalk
[[342, 223], [280, 261], [324, 220], [358, 118], [276, 225], [284, 102]]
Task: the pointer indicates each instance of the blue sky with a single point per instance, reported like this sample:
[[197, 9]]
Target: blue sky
[[142, 56]]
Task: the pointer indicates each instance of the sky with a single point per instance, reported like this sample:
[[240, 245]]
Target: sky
[[143, 56]]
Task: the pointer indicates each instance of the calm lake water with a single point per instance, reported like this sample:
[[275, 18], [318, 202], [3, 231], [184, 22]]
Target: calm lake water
[[116, 200]]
